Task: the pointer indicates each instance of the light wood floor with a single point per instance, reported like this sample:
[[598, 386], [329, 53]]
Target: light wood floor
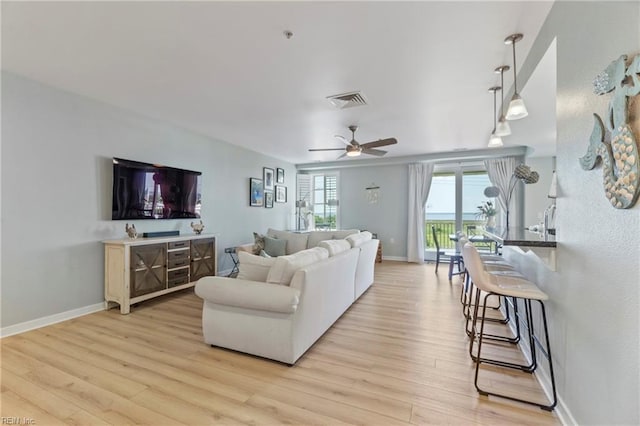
[[397, 356]]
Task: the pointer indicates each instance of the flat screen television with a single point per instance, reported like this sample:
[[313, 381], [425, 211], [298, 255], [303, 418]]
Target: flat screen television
[[151, 191]]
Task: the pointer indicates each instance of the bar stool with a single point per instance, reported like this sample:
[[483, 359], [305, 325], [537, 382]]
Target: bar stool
[[517, 288], [494, 267]]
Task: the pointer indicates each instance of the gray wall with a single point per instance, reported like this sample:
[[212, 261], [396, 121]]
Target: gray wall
[[388, 217], [56, 193], [594, 296]]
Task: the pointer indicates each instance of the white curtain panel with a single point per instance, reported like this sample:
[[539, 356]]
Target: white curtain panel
[[420, 175], [500, 171]]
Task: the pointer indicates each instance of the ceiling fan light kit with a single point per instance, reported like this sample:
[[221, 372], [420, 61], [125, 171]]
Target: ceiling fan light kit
[[354, 149], [517, 109]]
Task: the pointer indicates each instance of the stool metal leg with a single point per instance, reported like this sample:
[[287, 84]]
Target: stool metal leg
[[480, 360]]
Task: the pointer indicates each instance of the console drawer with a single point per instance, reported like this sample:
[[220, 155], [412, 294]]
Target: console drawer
[[178, 244], [178, 281], [178, 273], [178, 263], [178, 254]]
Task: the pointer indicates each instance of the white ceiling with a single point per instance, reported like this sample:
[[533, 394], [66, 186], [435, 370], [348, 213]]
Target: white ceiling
[[226, 70]]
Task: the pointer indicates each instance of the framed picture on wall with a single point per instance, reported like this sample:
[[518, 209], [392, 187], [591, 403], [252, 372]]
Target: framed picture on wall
[[281, 194], [268, 176], [268, 199], [279, 175], [256, 192]]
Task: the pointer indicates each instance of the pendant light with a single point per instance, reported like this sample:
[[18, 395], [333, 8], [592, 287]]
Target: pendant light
[[503, 128], [495, 141], [517, 109]]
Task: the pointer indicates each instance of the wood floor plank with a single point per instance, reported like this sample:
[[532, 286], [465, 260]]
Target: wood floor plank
[[398, 356]]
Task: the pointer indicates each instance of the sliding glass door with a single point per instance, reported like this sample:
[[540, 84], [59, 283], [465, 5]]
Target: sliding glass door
[[455, 195]]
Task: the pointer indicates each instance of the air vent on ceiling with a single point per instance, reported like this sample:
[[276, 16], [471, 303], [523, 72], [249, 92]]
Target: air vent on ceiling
[[347, 100]]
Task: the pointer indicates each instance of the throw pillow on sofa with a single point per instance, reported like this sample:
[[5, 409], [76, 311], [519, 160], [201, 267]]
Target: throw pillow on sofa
[[275, 247], [254, 268], [258, 243], [357, 239], [295, 242], [286, 266], [335, 246]]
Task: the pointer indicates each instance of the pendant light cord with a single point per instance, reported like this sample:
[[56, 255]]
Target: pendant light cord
[[515, 82]]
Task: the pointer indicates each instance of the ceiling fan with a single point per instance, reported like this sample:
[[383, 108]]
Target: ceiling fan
[[354, 149]]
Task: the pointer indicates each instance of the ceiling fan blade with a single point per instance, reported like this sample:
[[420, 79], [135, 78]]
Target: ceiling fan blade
[[381, 142], [376, 152], [343, 155], [342, 139], [327, 149]]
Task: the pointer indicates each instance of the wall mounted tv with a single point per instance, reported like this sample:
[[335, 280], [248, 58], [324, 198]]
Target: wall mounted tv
[[151, 191]]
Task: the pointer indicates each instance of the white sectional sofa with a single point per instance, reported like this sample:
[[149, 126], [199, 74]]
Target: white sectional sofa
[[278, 307]]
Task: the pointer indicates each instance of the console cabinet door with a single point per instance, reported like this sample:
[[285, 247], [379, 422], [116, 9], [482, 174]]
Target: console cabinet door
[[148, 269], [203, 260]]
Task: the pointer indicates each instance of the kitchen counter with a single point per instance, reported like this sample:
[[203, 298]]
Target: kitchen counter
[[521, 237]]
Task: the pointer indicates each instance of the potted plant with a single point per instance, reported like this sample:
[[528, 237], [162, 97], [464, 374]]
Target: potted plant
[[487, 211]]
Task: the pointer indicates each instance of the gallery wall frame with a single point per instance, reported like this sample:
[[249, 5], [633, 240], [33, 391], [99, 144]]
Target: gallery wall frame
[[268, 175], [281, 194], [256, 192]]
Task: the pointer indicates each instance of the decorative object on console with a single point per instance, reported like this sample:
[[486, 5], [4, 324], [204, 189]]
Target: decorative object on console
[[256, 192], [197, 227], [279, 175], [268, 199], [281, 194], [617, 145], [373, 193], [156, 234], [267, 176], [131, 231]]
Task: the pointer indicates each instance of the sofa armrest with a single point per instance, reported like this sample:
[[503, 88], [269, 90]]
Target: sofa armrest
[[248, 294], [245, 247]]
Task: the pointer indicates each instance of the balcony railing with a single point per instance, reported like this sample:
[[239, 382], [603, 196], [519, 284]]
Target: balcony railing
[[444, 228]]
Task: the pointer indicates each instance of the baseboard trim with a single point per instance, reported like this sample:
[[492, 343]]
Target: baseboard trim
[[49, 320], [561, 409], [395, 258]]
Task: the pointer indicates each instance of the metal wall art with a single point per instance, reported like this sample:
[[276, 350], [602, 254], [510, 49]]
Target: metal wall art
[[613, 140]]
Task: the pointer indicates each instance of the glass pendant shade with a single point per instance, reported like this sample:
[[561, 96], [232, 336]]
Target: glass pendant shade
[[517, 109], [495, 141], [503, 128]]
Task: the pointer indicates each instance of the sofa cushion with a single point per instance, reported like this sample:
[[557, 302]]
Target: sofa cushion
[[275, 247], [335, 246], [357, 239], [344, 233], [254, 268], [295, 242], [316, 236], [285, 266]]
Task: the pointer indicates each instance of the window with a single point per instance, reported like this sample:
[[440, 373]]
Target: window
[[452, 205], [320, 209]]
